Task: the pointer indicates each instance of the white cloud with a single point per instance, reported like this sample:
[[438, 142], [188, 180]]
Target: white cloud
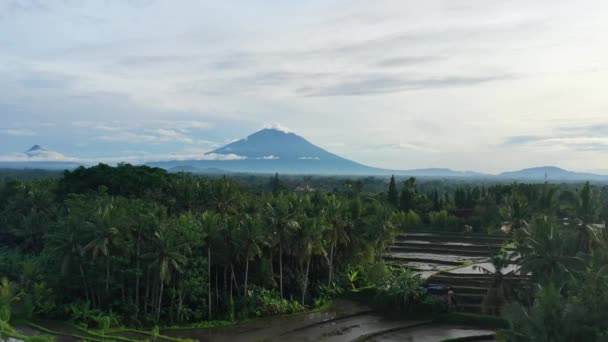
[[309, 158], [278, 127], [270, 157], [40, 155], [19, 132]]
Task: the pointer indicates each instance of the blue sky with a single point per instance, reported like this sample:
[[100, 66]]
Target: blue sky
[[472, 84]]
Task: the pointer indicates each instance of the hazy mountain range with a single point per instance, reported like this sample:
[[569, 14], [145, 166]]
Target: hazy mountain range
[[273, 150]]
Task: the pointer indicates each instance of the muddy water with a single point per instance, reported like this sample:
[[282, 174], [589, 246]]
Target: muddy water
[[273, 329], [432, 333], [345, 321]]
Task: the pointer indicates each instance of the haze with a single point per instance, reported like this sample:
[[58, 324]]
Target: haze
[[471, 85]]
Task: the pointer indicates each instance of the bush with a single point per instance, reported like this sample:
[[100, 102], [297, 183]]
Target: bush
[[377, 273], [402, 293], [269, 303]]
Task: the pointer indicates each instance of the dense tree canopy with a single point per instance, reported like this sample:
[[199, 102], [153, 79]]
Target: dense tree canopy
[[147, 246]]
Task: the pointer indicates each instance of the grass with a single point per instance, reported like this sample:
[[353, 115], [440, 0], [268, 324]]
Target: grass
[[114, 331], [113, 334], [52, 332], [224, 324]]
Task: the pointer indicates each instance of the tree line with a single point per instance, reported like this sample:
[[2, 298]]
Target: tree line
[[142, 246]]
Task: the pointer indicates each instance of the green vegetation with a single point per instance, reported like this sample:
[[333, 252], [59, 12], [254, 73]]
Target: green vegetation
[[106, 247], [137, 246]]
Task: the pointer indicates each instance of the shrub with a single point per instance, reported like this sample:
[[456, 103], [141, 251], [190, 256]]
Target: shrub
[[269, 303]]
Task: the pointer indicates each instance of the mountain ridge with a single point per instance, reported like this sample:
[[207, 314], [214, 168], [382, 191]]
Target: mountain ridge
[[271, 150]]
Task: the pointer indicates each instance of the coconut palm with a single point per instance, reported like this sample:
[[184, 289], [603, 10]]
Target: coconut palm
[[337, 229], [500, 288], [544, 253], [282, 218], [547, 200], [587, 208], [210, 227], [104, 235], [515, 211], [251, 236], [67, 244], [309, 242], [168, 259]]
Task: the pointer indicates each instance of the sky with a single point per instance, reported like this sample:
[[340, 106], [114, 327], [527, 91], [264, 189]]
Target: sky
[[478, 85]]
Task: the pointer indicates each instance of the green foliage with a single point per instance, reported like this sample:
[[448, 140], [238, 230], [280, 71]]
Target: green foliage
[[267, 303], [9, 295], [142, 246], [443, 221], [400, 291], [393, 194]]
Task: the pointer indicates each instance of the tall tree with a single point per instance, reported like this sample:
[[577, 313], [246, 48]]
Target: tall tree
[[408, 198], [309, 242], [393, 194], [250, 236], [167, 258], [587, 208], [210, 226], [281, 215], [338, 226]]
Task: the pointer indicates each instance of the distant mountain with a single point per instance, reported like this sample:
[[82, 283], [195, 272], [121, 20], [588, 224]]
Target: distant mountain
[[439, 172], [39, 157], [183, 168], [551, 173], [273, 150]]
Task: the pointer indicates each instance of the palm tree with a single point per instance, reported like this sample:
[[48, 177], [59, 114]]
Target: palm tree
[[386, 230], [103, 241], [544, 253], [281, 216], [338, 227], [587, 208], [66, 243], [515, 211], [499, 290], [224, 198], [250, 235], [167, 258], [309, 242], [146, 220], [547, 201], [209, 224]]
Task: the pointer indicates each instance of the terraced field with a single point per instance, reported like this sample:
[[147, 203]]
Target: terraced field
[[448, 258]]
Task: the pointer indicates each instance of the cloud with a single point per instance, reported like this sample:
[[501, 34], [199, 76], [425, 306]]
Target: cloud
[[575, 138], [52, 156], [371, 85], [309, 158], [522, 139], [407, 60], [150, 131], [28, 6], [270, 157], [159, 135], [20, 132], [404, 146], [37, 154], [278, 127]]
